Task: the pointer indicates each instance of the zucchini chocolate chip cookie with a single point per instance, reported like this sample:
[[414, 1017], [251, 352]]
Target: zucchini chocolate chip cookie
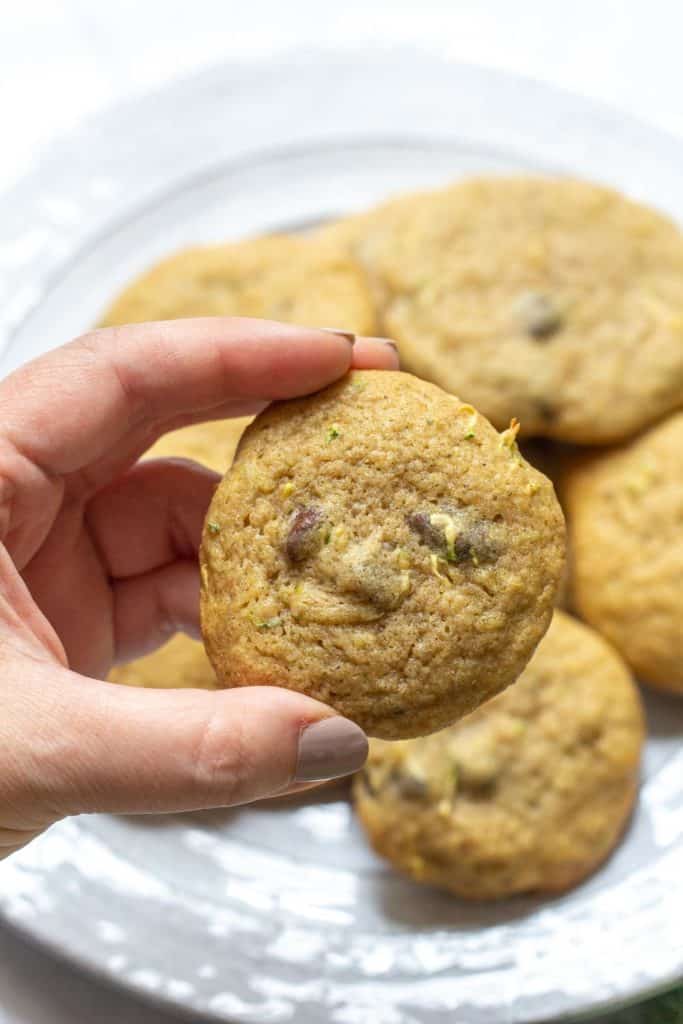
[[296, 280], [379, 546], [529, 793], [552, 300], [625, 510]]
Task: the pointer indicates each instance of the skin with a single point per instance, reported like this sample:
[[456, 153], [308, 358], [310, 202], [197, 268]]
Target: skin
[[98, 564]]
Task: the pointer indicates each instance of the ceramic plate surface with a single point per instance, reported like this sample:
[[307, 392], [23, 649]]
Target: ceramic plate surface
[[279, 912]]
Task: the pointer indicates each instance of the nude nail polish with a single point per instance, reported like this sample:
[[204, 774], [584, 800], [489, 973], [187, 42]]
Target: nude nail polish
[[349, 335], [330, 749]]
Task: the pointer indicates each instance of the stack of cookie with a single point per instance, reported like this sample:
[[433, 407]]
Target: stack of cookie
[[561, 304]]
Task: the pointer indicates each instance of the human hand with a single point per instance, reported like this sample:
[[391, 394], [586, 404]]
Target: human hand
[[98, 563]]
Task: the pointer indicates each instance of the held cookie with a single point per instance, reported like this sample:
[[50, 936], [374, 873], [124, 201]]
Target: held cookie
[[182, 662], [379, 546], [296, 280], [625, 510], [552, 300], [528, 794]]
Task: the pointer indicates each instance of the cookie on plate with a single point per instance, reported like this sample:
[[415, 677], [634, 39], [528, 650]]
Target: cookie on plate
[[625, 512], [213, 443], [552, 300], [528, 794], [379, 546], [182, 662], [297, 280], [548, 458]]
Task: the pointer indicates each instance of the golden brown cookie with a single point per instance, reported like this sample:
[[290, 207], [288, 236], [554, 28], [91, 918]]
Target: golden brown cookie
[[182, 662], [213, 443], [379, 546], [528, 794], [625, 511], [548, 458], [555, 301], [297, 280]]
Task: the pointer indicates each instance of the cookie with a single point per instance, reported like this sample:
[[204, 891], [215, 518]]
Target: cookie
[[625, 510], [296, 280], [528, 794], [555, 301], [379, 546], [213, 443], [182, 662], [547, 457]]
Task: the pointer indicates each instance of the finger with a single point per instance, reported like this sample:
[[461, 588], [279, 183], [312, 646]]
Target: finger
[[128, 750], [71, 406], [151, 516], [12, 840], [368, 354], [149, 609], [375, 354]]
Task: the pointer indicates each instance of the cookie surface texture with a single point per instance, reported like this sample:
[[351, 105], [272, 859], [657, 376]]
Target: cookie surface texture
[[295, 280], [379, 546], [552, 300], [625, 509], [180, 664], [528, 794]]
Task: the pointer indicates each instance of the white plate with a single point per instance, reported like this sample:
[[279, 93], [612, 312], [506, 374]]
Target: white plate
[[279, 912]]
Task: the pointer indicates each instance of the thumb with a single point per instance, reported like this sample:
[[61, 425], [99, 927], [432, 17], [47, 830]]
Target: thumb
[[134, 750]]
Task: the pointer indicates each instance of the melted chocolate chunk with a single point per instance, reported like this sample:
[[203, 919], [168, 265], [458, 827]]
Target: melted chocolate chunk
[[305, 535]]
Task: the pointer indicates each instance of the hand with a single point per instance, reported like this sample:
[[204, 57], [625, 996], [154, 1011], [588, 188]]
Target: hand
[[98, 563]]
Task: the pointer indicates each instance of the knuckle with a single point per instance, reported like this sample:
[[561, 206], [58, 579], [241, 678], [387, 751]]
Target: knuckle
[[98, 349], [222, 764]]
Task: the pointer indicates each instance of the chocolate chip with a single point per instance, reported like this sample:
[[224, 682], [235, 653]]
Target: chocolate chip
[[430, 528], [454, 536], [367, 784], [538, 314], [474, 546], [370, 580], [408, 786], [305, 534], [545, 409]]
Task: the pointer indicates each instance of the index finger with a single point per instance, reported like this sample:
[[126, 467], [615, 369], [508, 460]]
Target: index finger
[[71, 406]]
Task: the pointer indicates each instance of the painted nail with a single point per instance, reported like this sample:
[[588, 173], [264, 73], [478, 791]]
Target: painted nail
[[329, 749], [385, 341], [350, 337], [390, 343]]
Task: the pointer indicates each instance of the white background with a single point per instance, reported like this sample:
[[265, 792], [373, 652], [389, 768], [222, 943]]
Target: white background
[[61, 60]]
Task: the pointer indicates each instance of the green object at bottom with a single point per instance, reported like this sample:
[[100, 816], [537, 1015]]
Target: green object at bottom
[[664, 1009]]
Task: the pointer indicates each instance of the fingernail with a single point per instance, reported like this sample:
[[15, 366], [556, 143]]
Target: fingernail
[[349, 335], [388, 342], [329, 749]]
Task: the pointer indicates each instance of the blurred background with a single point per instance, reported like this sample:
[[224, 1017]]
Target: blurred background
[[61, 62]]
